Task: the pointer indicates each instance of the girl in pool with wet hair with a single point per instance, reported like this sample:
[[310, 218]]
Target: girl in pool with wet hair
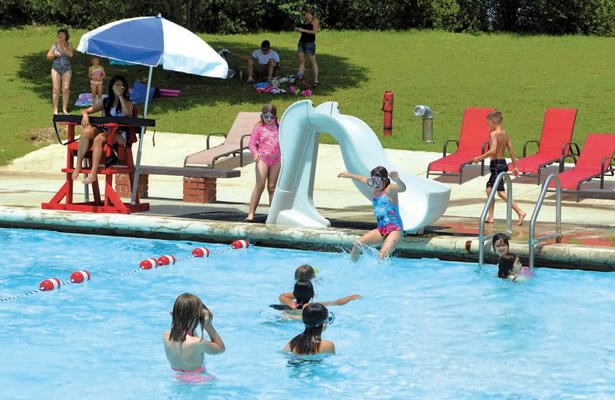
[[316, 317], [303, 272], [186, 350], [500, 243], [390, 228], [509, 267], [302, 295]]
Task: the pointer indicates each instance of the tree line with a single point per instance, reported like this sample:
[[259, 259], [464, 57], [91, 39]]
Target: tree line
[[554, 17]]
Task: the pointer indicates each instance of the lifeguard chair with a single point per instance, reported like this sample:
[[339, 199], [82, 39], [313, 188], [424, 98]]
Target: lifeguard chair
[[111, 201]]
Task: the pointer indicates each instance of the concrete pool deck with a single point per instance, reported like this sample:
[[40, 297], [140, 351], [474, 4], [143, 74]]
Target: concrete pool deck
[[588, 227]]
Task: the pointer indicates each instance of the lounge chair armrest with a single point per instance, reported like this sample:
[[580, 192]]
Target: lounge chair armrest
[[209, 135], [563, 158], [528, 142], [444, 148], [574, 148], [241, 147], [605, 167]]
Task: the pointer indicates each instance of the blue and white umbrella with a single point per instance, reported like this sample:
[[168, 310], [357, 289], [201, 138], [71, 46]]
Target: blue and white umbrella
[[153, 41]]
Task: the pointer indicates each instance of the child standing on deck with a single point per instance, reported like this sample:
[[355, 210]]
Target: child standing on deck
[[96, 73], [186, 350], [390, 227], [265, 148], [498, 143]]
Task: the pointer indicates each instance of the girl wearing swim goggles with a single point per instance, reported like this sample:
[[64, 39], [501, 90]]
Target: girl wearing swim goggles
[[389, 230], [315, 317]]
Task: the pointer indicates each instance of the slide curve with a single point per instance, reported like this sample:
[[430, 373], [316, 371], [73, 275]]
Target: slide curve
[[423, 202]]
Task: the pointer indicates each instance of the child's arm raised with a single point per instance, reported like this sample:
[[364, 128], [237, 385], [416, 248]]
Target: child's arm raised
[[359, 178], [400, 185], [216, 345]]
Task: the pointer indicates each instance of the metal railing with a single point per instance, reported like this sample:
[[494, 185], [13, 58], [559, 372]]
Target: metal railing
[[533, 241], [483, 215]]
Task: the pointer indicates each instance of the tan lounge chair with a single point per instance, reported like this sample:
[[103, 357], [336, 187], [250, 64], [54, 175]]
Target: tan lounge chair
[[235, 142]]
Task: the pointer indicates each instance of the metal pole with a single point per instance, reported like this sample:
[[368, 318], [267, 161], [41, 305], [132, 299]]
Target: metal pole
[[135, 181], [483, 215]]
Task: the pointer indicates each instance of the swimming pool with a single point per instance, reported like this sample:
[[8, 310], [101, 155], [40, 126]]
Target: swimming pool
[[425, 329]]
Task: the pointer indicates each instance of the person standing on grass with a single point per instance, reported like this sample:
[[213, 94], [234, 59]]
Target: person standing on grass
[[307, 43], [265, 148], [60, 54], [498, 143]]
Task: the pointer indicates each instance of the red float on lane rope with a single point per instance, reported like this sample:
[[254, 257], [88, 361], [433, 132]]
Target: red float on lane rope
[[80, 276], [201, 252], [148, 264], [240, 244], [166, 260], [50, 284]]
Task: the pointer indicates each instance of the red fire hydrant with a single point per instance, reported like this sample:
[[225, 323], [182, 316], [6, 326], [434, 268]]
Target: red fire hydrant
[[387, 107]]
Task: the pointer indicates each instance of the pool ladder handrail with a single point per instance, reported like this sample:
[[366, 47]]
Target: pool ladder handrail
[[481, 236], [533, 240]]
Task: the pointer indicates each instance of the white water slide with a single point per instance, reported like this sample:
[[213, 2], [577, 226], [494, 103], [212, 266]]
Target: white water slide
[[420, 205]]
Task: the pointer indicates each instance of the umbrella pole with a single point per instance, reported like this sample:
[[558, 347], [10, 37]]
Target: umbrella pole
[[135, 182]]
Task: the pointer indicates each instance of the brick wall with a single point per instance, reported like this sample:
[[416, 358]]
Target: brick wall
[[199, 190], [123, 185]]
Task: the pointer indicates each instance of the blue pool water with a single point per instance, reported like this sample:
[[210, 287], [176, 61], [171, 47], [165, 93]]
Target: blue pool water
[[425, 329]]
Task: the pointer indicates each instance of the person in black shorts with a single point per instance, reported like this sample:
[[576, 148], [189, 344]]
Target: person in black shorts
[[498, 143]]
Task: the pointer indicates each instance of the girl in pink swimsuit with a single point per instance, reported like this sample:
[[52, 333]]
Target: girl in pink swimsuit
[[265, 148], [184, 348]]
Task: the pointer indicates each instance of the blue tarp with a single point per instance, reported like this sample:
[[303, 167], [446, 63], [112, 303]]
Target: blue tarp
[[138, 93]]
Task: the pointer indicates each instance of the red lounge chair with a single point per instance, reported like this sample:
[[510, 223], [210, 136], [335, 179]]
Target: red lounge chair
[[595, 159], [473, 141], [554, 144]]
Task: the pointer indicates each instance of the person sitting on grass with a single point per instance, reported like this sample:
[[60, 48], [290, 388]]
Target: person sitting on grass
[[263, 62]]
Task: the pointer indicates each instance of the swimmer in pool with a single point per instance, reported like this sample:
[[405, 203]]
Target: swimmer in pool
[[303, 272], [303, 294], [509, 267], [186, 350], [316, 317]]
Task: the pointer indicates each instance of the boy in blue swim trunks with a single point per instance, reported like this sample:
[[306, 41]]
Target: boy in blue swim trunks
[[498, 143]]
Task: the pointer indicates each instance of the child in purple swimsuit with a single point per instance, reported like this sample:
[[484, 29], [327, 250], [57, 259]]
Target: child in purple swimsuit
[[184, 348], [265, 148], [390, 227]]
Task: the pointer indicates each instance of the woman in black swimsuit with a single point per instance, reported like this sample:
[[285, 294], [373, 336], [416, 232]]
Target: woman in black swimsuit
[[307, 43]]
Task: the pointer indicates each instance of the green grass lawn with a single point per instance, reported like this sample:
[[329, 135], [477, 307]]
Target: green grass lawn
[[519, 75]]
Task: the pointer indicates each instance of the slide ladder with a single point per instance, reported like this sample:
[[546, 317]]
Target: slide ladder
[[421, 204]]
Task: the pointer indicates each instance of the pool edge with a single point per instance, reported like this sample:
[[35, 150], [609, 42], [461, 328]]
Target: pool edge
[[444, 247]]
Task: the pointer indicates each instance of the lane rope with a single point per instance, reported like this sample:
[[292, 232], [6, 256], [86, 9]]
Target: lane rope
[[78, 277]]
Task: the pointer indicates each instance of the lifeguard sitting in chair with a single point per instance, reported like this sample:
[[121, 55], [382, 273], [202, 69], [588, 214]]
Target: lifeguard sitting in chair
[[111, 136], [117, 104]]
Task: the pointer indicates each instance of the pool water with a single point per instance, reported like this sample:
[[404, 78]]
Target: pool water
[[425, 329]]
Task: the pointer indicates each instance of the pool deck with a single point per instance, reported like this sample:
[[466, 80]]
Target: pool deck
[[588, 226]]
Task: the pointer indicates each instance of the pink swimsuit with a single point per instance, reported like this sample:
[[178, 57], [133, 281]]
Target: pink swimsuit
[[264, 142]]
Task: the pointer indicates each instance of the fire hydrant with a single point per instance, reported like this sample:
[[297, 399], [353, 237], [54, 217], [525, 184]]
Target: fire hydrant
[[387, 107]]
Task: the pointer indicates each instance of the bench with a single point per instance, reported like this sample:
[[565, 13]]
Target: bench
[[199, 182]]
